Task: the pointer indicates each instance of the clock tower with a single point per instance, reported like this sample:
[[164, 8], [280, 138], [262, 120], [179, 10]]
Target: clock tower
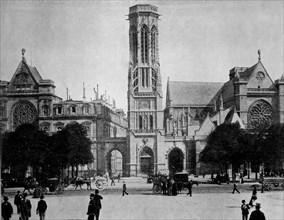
[[145, 96]]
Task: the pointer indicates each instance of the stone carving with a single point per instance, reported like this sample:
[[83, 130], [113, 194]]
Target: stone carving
[[145, 141], [24, 112], [22, 78], [260, 115]]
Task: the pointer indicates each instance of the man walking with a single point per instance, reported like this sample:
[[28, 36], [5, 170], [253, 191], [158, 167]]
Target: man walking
[[7, 209], [257, 214], [94, 206], [235, 189], [41, 208], [124, 189], [245, 210], [17, 201], [189, 187], [25, 208]]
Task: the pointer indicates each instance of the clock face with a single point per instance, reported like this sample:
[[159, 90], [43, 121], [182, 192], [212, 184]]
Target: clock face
[[144, 104]]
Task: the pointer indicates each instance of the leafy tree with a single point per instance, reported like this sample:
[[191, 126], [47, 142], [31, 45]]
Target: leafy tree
[[267, 145], [224, 145], [26, 146], [57, 154], [79, 146]]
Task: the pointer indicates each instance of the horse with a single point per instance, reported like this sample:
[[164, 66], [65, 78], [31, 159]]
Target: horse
[[81, 181], [30, 183]]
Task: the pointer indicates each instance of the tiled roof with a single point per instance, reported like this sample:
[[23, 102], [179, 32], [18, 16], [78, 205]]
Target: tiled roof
[[247, 73], [35, 73], [192, 93]]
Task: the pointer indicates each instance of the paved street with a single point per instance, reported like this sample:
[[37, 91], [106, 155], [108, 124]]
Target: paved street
[[219, 204]]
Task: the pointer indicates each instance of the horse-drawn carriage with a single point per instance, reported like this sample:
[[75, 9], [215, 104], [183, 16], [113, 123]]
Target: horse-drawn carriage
[[272, 183], [157, 181], [54, 185]]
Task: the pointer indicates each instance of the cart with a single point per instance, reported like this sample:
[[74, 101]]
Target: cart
[[157, 181], [54, 185], [272, 183]]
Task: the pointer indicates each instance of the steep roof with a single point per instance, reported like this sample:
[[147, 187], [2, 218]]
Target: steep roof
[[192, 93], [247, 73], [35, 73]]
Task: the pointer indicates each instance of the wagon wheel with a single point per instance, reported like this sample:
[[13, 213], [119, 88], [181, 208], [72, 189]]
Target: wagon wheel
[[156, 189], [59, 189]]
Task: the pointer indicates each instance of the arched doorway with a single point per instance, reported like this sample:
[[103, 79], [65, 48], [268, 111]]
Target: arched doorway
[[115, 163], [176, 160], [147, 161]]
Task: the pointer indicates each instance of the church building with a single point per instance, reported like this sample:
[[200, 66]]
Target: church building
[[158, 135]]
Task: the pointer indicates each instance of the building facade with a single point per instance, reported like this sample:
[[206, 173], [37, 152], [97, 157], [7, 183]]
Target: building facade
[[153, 138], [28, 98]]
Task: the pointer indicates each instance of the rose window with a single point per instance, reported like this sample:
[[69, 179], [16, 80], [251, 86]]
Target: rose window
[[260, 115], [24, 112]]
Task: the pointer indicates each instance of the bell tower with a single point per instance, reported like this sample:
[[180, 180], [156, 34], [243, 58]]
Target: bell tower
[[145, 96]]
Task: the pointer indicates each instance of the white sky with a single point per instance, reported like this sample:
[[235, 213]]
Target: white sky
[[72, 42]]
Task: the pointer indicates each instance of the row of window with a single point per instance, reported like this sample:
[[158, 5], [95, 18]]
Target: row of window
[[60, 126], [146, 122], [144, 41], [145, 79], [59, 110]]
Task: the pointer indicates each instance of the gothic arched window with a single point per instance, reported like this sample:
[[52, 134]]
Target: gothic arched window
[[140, 122], [134, 44], [145, 123], [135, 80], [153, 43], [154, 80], [45, 110], [151, 122], [260, 115], [144, 44]]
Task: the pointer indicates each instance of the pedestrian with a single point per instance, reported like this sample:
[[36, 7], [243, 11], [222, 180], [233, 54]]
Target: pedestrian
[[245, 210], [94, 205], [112, 182], [253, 197], [25, 207], [174, 188], [164, 187], [7, 209], [169, 186], [235, 188], [118, 177], [189, 187], [41, 208], [124, 189], [257, 214], [17, 201]]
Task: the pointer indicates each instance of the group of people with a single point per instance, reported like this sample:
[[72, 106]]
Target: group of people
[[171, 188], [24, 207], [255, 215]]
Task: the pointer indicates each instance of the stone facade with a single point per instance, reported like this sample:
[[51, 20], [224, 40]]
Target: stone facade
[[152, 139], [28, 98]]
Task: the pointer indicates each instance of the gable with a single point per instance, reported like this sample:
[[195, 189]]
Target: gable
[[259, 78], [25, 77], [206, 127]]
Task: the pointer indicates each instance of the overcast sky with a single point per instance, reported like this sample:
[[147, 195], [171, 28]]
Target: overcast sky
[[72, 42]]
